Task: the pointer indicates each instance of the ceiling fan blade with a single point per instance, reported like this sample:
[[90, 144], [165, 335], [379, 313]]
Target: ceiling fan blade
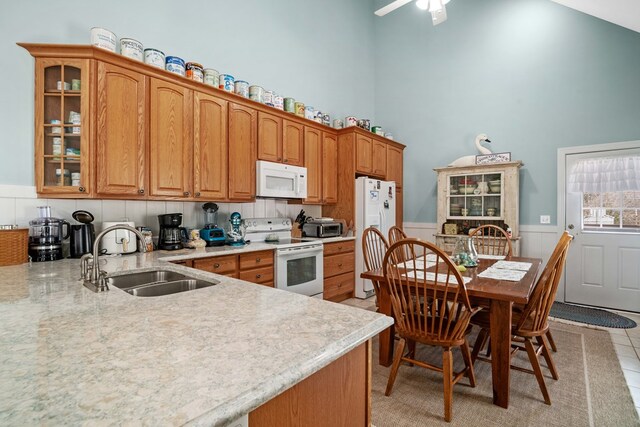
[[391, 7], [439, 16]]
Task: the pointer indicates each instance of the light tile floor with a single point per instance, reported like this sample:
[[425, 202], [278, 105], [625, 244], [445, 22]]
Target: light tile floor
[[625, 341]]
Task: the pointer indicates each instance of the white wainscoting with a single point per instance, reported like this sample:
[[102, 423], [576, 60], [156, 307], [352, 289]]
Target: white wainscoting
[[536, 241], [18, 206]]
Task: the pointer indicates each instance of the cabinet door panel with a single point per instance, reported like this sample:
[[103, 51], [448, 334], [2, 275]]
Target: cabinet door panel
[[329, 168], [269, 137], [210, 147], [313, 163], [242, 152], [379, 157], [121, 132], [394, 165], [364, 162], [293, 143], [171, 145]]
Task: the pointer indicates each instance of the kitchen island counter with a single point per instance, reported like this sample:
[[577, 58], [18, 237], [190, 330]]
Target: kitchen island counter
[[203, 357]]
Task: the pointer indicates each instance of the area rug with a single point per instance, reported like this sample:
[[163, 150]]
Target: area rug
[[591, 390], [590, 316]]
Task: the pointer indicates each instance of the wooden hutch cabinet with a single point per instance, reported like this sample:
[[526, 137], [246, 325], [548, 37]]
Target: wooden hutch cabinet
[[476, 195]]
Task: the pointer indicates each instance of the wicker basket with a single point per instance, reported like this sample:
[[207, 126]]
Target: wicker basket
[[14, 246]]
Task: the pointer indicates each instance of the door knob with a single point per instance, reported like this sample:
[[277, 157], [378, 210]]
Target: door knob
[[570, 226]]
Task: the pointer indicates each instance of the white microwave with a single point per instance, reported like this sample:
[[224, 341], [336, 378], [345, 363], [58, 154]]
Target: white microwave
[[280, 180]]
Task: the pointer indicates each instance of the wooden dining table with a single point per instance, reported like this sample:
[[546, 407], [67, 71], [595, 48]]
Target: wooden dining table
[[498, 296]]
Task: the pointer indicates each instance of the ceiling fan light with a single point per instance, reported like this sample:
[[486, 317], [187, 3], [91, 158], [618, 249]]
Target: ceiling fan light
[[423, 4], [435, 5]]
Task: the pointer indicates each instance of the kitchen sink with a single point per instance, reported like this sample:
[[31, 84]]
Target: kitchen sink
[[157, 283]]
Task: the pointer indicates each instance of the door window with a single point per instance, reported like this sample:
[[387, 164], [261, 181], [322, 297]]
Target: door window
[[611, 211]]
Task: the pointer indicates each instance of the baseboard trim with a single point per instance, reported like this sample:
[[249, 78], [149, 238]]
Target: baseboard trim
[[18, 191]]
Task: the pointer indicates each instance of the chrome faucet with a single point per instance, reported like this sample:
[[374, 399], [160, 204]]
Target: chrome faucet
[[95, 279]]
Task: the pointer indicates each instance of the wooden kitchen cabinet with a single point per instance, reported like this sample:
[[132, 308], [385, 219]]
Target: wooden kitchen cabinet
[[329, 168], [121, 132], [339, 270], [256, 267], [269, 137], [313, 163], [171, 144], [210, 145], [364, 154], [242, 152], [293, 143], [379, 158], [61, 151], [226, 264], [394, 165]]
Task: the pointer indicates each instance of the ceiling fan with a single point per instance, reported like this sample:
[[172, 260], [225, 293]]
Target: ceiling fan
[[436, 7]]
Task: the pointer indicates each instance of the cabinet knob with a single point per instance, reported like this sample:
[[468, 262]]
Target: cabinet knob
[[186, 193], [141, 191], [216, 265], [279, 159], [81, 189], [258, 259], [339, 285], [258, 276], [340, 265], [286, 160], [339, 248], [197, 194]]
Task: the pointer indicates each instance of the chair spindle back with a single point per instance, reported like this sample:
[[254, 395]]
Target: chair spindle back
[[491, 240]]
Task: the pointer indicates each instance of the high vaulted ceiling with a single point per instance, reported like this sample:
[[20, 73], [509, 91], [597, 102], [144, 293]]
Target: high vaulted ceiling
[[625, 13]]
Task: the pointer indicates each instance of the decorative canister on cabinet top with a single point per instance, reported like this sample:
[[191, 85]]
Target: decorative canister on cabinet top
[[256, 93], [104, 39], [132, 48], [175, 65], [195, 71], [326, 120], [269, 98], [364, 124], [299, 108], [338, 124], [290, 105], [278, 102], [242, 88], [309, 112], [154, 57], [211, 77], [227, 82], [350, 121]]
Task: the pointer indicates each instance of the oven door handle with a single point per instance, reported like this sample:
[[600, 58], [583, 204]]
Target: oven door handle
[[294, 251]]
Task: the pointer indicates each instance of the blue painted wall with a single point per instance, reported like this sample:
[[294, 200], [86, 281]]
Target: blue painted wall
[[532, 74], [320, 52]]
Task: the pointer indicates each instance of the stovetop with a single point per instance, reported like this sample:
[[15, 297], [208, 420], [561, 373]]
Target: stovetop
[[274, 231]]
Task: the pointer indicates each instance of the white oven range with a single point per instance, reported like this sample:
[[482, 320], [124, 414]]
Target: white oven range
[[298, 263]]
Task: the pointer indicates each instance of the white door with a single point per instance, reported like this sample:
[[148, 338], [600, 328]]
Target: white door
[[603, 263]]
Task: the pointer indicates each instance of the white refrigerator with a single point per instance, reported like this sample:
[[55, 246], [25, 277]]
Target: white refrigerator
[[375, 207]]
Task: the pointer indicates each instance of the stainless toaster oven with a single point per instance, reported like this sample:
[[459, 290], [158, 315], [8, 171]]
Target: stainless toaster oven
[[322, 229]]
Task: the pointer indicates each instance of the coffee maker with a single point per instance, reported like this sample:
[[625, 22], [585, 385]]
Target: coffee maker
[[46, 235], [211, 233], [82, 235], [171, 234]]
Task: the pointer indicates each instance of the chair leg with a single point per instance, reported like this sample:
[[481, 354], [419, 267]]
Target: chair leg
[[447, 373], [466, 355], [411, 353], [481, 340], [547, 357], [551, 341], [533, 358], [394, 368]]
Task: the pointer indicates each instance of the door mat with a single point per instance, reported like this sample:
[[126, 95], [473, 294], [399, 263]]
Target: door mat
[[590, 316]]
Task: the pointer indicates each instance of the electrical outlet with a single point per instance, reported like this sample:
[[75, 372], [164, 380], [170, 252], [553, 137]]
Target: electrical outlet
[[545, 219]]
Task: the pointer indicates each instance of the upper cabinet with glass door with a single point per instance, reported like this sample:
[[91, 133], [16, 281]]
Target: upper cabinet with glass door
[[62, 127]]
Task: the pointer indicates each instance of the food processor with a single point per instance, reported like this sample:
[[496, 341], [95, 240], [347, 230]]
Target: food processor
[[46, 235], [211, 233], [237, 230]]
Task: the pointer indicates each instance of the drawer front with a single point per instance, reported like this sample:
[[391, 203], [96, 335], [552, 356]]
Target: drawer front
[[258, 275], [256, 259], [339, 264], [220, 264], [339, 247], [340, 287]]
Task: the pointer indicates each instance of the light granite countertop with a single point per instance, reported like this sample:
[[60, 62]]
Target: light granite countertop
[[204, 357]]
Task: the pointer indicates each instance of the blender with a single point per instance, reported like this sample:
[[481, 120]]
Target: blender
[[46, 236], [211, 233], [237, 229]]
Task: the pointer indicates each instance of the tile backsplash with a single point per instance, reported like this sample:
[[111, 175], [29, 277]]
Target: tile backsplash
[[16, 209]]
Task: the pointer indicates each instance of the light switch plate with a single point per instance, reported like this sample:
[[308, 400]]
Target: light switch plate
[[545, 219]]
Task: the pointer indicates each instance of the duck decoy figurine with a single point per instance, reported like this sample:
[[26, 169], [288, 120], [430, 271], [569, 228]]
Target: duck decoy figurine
[[471, 160]]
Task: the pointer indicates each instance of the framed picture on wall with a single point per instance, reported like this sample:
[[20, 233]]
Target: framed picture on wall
[[487, 159]]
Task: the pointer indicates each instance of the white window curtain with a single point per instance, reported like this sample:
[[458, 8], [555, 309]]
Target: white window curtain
[[606, 174]]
